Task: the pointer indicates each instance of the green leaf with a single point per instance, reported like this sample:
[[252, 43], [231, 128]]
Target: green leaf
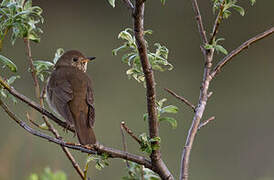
[[208, 46], [12, 79], [170, 120], [59, 52], [145, 116], [115, 51], [163, 2], [33, 177], [112, 3], [9, 63], [239, 9], [221, 49], [170, 109], [253, 2], [161, 102]]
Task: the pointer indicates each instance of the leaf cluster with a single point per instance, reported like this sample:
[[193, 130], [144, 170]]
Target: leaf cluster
[[226, 5], [171, 109], [157, 59], [148, 144], [137, 172], [48, 175], [21, 18], [43, 68], [100, 160]]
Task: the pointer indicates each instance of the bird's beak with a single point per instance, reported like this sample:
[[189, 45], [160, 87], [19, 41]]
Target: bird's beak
[[88, 59]]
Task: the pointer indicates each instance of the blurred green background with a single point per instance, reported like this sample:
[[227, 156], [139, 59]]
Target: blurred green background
[[237, 145]]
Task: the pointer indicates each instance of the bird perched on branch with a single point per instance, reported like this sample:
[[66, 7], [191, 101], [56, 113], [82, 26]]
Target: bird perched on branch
[[69, 93]]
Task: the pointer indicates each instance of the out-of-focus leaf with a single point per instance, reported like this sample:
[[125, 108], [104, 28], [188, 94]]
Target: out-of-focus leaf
[[112, 3], [7, 62]]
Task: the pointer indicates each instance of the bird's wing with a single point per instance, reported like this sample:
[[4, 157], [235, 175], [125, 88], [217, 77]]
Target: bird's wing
[[60, 93], [90, 102]]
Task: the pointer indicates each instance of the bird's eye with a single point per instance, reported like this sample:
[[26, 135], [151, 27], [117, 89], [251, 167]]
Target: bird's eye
[[75, 59]]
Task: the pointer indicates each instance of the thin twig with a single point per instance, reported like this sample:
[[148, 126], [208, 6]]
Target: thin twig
[[184, 100], [217, 23], [130, 132], [138, 24], [202, 124], [32, 69], [129, 5], [89, 149], [199, 21], [124, 142], [235, 52]]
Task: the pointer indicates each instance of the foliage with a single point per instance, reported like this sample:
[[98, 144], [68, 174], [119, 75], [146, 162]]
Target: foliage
[[8, 63], [157, 59], [100, 160], [21, 18], [216, 46], [48, 175], [136, 171], [43, 68], [147, 144], [167, 109]]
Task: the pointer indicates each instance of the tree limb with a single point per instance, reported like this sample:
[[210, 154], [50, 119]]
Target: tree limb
[[184, 100], [93, 149], [138, 24], [199, 21], [33, 104], [242, 47]]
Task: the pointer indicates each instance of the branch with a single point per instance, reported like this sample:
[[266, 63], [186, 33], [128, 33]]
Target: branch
[[237, 51], [129, 5], [202, 124], [184, 100], [94, 149], [199, 21], [138, 21], [217, 23], [33, 104], [123, 125]]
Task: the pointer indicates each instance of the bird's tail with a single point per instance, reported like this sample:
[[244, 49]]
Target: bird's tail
[[84, 132]]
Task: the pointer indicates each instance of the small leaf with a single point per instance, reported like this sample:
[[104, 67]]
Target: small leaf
[[239, 9], [161, 102], [208, 46], [12, 79], [170, 120], [112, 3], [59, 52], [9, 63], [253, 2], [163, 2], [44, 126], [145, 116], [221, 49], [170, 109]]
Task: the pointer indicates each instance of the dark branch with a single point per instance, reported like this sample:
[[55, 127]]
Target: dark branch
[[123, 125], [199, 21], [33, 104], [235, 52], [184, 100], [93, 149], [217, 23], [138, 21]]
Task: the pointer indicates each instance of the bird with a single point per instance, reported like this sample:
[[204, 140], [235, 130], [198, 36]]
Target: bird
[[69, 93]]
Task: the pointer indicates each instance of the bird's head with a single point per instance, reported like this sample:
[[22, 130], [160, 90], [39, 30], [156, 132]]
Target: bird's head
[[74, 58]]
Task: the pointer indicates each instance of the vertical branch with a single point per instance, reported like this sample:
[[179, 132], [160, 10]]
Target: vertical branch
[[138, 23], [32, 69]]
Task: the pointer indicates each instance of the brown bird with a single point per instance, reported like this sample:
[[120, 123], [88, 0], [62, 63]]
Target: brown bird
[[69, 93]]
